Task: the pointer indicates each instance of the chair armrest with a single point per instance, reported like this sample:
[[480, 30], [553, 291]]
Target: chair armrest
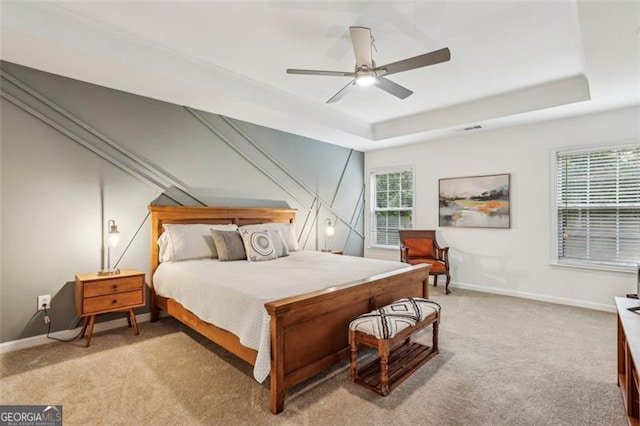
[[435, 244], [404, 254], [442, 253]]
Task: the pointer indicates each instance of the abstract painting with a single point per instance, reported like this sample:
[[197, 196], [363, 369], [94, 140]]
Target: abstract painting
[[475, 202]]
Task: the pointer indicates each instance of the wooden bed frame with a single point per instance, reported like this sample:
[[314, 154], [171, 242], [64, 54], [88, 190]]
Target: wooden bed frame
[[309, 332]]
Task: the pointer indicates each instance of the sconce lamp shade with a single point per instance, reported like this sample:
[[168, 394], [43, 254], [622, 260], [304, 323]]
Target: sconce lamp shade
[[113, 238], [329, 230], [114, 234]]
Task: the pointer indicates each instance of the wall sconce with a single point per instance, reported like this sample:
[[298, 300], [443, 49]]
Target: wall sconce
[[329, 231], [113, 237]]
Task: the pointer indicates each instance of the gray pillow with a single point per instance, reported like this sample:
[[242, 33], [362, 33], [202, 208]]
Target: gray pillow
[[229, 245]]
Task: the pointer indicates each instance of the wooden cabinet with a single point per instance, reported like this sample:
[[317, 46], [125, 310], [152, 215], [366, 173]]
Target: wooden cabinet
[[100, 294], [629, 356]]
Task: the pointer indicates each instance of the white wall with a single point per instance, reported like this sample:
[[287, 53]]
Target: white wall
[[514, 261]]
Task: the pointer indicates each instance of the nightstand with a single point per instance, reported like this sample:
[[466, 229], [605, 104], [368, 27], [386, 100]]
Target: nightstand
[[101, 294]]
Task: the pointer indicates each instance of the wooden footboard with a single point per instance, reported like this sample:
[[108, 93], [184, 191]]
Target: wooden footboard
[[310, 332]]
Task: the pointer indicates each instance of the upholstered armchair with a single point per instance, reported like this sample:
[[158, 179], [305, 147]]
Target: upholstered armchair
[[421, 247]]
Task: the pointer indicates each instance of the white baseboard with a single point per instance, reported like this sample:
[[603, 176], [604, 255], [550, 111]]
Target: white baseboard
[[30, 342], [534, 296]]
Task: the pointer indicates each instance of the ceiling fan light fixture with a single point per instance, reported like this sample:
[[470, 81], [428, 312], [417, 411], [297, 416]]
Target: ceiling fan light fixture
[[367, 79]]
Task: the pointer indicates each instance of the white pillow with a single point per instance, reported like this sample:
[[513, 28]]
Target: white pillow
[[189, 241], [279, 244], [287, 230]]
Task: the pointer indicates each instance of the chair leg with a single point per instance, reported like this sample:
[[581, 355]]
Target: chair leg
[[446, 287], [435, 280]]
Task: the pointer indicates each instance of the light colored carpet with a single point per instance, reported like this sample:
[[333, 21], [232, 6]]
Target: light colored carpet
[[503, 361]]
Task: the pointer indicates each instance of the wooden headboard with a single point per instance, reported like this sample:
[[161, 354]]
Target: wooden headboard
[[161, 215]]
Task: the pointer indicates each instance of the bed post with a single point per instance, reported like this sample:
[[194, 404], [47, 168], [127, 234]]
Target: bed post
[[277, 365], [425, 283], [425, 287], [155, 311], [155, 233]]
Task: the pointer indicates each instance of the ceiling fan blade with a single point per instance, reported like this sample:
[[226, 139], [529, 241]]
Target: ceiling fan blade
[[320, 72], [393, 88], [342, 92], [420, 61], [361, 40]]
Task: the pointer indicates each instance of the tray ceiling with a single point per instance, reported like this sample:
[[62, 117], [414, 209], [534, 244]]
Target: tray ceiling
[[511, 62]]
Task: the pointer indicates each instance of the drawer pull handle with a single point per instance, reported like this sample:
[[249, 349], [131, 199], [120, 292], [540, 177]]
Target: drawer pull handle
[[114, 301], [115, 287]]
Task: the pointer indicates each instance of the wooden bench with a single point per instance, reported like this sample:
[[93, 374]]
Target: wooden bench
[[389, 329]]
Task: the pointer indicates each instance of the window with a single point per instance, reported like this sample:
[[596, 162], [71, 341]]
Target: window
[[391, 206], [598, 206]]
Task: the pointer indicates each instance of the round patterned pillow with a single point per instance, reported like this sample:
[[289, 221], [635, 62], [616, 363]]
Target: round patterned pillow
[[258, 245], [261, 243]]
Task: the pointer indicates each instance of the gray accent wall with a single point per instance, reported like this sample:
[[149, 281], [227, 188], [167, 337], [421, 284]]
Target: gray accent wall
[[74, 155]]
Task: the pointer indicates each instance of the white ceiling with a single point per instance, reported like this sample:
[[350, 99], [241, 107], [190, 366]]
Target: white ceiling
[[512, 62]]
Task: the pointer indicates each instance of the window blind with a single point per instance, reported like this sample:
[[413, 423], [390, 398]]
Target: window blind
[[392, 208], [598, 202]]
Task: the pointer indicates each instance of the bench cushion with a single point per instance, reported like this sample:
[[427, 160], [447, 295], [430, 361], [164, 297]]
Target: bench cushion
[[386, 322]]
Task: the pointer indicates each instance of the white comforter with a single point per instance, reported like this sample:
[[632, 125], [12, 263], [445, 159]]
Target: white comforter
[[231, 295]]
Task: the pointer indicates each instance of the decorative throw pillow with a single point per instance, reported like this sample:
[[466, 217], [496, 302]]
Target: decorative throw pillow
[[229, 245], [258, 245], [419, 247], [288, 231], [189, 241]]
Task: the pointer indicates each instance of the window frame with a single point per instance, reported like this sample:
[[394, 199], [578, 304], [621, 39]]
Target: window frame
[[372, 203], [556, 260]]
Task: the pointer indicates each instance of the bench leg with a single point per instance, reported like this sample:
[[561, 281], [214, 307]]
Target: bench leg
[[436, 325], [354, 355], [383, 353]]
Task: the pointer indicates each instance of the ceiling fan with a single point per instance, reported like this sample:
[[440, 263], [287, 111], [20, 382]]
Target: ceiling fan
[[366, 72]]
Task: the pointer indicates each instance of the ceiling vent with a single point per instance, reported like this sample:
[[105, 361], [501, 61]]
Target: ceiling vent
[[468, 128]]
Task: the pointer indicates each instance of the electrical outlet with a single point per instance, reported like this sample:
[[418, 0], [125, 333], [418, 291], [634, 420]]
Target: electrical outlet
[[44, 299]]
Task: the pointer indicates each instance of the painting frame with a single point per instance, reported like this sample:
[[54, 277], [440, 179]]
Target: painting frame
[[482, 201]]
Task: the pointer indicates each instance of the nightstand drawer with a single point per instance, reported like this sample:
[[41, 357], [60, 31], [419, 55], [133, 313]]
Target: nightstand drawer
[[113, 285], [113, 302]]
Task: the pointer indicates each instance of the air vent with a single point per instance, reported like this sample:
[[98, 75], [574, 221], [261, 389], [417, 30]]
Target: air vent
[[468, 129]]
